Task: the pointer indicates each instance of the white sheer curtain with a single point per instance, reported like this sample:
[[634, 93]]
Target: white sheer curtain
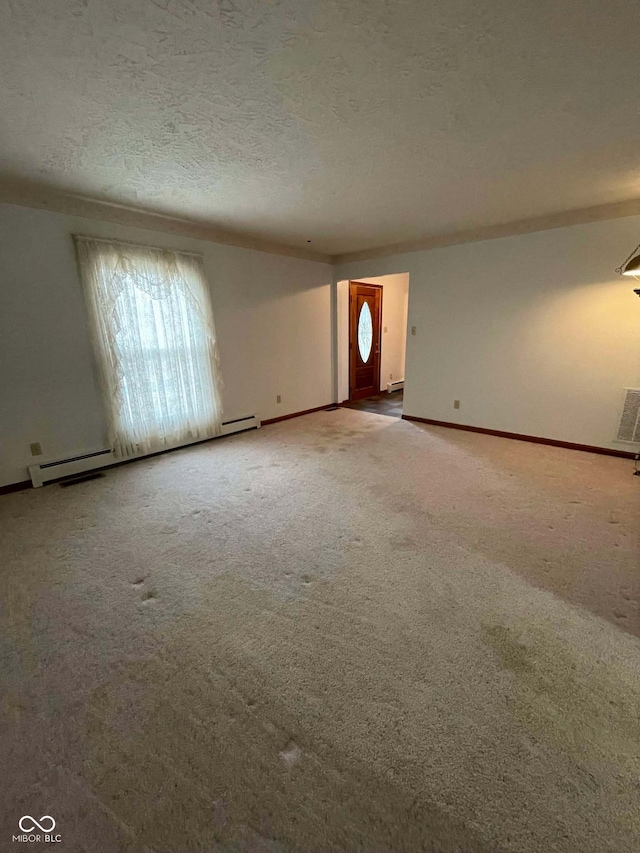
[[152, 327]]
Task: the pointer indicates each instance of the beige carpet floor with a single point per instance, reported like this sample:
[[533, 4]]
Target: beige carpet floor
[[341, 632]]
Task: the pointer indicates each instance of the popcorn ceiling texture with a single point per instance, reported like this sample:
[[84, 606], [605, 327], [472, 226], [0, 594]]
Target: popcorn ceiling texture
[[341, 632], [352, 124]]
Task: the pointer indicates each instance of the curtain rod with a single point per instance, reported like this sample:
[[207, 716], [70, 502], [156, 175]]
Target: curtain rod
[[137, 245]]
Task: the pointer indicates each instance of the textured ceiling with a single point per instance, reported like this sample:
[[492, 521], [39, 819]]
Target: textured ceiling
[[350, 123]]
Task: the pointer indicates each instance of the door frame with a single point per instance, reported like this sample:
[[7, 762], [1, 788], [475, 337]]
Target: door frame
[[353, 333]]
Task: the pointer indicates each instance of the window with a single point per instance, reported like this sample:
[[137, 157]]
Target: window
[[365, 332], [153, 332]]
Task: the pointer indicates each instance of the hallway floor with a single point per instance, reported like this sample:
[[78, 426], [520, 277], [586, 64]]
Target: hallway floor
[[381, 404]]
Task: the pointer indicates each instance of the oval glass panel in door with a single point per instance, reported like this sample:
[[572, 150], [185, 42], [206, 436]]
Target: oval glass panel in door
[[365, 332]]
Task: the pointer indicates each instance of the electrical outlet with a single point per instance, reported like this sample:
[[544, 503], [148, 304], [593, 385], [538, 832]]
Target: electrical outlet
[[391, 376], [456, 404], [279, 399], [36, 448], [413, 330], [385, 330]]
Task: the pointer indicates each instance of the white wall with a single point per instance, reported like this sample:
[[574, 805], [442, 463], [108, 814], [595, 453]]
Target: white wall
[[534, 334], [272, 315], [395, 297]]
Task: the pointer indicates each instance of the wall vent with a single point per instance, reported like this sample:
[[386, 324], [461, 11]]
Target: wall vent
[[630, 421]]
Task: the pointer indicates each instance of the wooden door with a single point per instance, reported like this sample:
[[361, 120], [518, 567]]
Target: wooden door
[[365, 315]]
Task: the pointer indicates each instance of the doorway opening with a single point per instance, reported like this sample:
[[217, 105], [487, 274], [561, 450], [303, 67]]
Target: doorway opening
[[372, 337]]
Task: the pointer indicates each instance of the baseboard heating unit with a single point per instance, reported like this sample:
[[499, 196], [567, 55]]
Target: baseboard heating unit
[[395, 386], [47, 471]]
